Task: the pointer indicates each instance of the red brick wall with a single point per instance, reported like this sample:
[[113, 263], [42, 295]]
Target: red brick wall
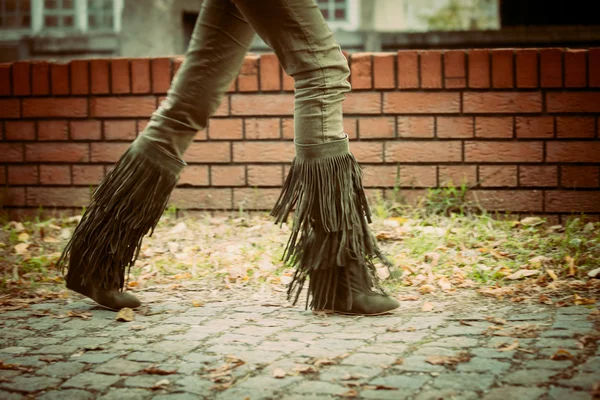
[[519, 125]]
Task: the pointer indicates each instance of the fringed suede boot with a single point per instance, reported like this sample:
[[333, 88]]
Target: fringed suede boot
[[330, 241], [125, 207]]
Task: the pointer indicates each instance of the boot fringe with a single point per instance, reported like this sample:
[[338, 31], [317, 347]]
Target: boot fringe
[[125, 207], [330, 224]]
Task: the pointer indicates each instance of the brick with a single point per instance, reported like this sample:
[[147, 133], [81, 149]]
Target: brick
[[229, 128], [416, 127], [360, 71], [380, 176], [594, 67], [58, 197], [194, 175], [119, 76], [575, 127], [509, 200], [177, 61], [535, 127], [573, 152], [362, 103], [87, 174], [498, 176], [282, 152], [502, 102], [107, 152], [376, 127], [223, 109], [5, 77], [454, 69], [502, 69], [125, 129], [217, 152], [99, 76], [270, 73], [350, 129], [503, 152], [538, 175], [72, 107], [420, 151], [59, 78], [53, 130], [457, 175], [494, 127], [287, 82], [207, 199], [19, 130], [579, 177], [262, 104], [367, 151], [418, 176], [10, 108], [527, 68], [254, 199], [247, 80], [265, 175], [577, 102], [86, 130], [161, 74], [122, 106], [55, 175], [3, 179], [57, 152], [140, 76], [228, 175], [454, 127], [22, 174], [21, 71], [13, 196], [384, 73], [572, 202], [262, 128], [40, 79], [11, 152], [551, 67], [479, 69], [80, 79], [431, 69], [287, 127], [575, 68], [421, 103], [408, 69]]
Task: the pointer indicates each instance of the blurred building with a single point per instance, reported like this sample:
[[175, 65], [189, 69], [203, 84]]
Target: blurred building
[[66, 29]]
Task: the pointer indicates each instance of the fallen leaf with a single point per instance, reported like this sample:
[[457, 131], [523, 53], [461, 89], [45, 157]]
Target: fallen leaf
[[509, 347], [562, 354], [391, 329], [539, 260], [197, 303], [427, 289], [279, 373], [79, 314], [449, 360], [399, 361], [160, 384], [306, 369], [23, 237], [595, 273], [571, 261], [325, 361], [133, 284], [21, 248], [408, 297], [125, 314], [496, 320], [522, 273], [50, 239], [157, 371], [552, 274], [532, 221], [461, 322], [545, 299], [427, 306], [580, 301], [350, 394]]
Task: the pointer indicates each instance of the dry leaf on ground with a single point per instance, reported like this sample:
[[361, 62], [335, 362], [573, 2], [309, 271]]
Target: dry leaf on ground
[[350, 394], [278, 373], [522, 273], [427, 306], [561, 354], [125, 315], [449, 360], [509, 347]]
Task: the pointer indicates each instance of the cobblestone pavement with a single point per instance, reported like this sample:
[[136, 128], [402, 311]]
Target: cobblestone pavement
[[234, 349]]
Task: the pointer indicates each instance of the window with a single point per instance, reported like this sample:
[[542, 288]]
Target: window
[[100, 15], [340, 13], [15, 14], [59, 14]]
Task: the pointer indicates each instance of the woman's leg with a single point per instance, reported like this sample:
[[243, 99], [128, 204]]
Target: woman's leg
[[129, 202], [330, 241]]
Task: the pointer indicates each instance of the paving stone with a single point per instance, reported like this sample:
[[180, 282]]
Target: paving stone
[[89, 380], [529, 377], [62, 369], [368, 359], [126, 394], [30, 384], [148, 381], [14, 350], [177, 348], [84, 342], [273, 384], [573, 310], [591, 365], [340, 373], [68, 394], [283, 347], [412, 382], [478, 364], [245, 393], [417, 364], [498, 341], [558, 343], [558, 393], [514, 392], [563, 333], [548, 352], [402, 337], [434, 351], [486, 352], [163, 329], [304, 397], [571, 324], [453, 342], [388, 348], [95, 357], [194, 384], [436, 394], [56, 349], [228, 338], [146, 357], [313, 328], [461, 330], [583, 380], [37, 341], [319, 387], [118, 366], [399, 394], [6, 374], [199, 358], [26, 361], [463, 381], [10, 395], [176, 396], [66, 333], [548, 364]]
